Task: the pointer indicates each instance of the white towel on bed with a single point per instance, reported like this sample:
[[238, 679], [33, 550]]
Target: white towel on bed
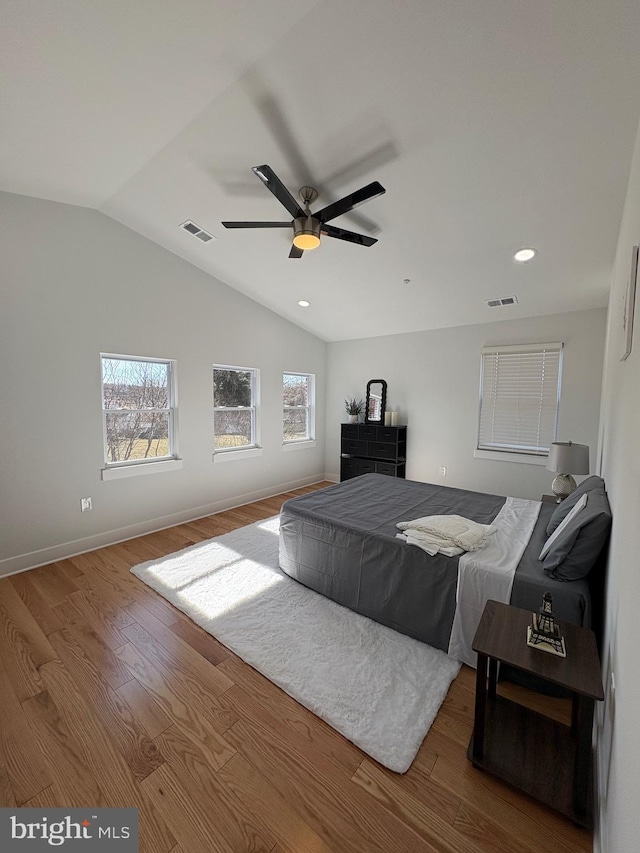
[[446, 531], [429, 543]]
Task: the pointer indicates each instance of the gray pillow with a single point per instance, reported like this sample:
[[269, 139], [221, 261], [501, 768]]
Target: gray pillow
[[578, 546], [569, 502]]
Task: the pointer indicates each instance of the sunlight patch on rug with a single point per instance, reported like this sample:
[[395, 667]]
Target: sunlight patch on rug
[[380, 689]]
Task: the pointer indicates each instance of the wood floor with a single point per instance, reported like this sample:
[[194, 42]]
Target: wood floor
[[109, 696]]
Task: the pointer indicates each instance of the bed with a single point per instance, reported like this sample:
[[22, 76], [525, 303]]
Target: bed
[[341, 541]]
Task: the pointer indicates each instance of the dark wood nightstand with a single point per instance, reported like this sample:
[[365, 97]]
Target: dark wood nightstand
[[548, 760], [549, 499]]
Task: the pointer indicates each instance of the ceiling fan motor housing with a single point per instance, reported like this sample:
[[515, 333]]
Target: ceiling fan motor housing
[[306, 232]]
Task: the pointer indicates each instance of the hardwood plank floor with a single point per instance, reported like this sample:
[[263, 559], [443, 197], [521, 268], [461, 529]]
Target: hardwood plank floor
[[111, 696]]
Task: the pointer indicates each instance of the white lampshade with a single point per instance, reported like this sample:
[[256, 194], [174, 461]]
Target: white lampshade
[[568, 458]]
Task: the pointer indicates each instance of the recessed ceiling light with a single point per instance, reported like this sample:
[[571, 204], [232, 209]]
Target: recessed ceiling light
[[524, 255], [303, 303]]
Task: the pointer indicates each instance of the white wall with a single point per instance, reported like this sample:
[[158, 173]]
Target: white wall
[[619, 721], [74, 284], [433, 382]]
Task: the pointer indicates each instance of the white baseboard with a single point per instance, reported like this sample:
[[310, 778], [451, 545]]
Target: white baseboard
[[600, 785], [44, 556]]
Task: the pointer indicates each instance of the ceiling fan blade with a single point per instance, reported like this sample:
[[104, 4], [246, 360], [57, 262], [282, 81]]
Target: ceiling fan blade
[[256, 224], [296, 252], [275, 185], [344, 205], [366, 164], [276, 121], [349, 236]]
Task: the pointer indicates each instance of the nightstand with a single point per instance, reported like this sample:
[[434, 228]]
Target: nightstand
[[549, 499], [548, 760]]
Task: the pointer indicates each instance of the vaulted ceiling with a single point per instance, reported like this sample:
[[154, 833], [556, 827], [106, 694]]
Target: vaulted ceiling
[[492, 124]]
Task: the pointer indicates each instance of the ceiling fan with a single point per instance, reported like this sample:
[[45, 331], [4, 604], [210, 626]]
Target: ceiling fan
[[307, 226]]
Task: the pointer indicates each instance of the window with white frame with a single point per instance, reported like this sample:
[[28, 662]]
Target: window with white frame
[[298, 407], [519, 397], [138, 403], [235, 395]]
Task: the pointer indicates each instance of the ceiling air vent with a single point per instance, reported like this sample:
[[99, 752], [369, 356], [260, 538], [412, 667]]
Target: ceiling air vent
[[198, 232], [503, 300]]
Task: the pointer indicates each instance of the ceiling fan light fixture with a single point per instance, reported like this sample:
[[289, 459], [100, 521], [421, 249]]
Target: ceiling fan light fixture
[[306, 241], [306, 233]]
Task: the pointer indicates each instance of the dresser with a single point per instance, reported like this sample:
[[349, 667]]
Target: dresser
[[371, 449]]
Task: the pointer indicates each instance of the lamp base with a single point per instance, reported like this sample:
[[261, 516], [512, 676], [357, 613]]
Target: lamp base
[[562, 486]]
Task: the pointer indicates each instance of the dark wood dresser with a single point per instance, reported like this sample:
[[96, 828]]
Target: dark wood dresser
[[372, 449]]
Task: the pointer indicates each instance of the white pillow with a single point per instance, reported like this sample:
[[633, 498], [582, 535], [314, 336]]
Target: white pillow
[[563, 524]]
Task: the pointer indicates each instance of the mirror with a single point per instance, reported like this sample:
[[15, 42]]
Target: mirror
[[376, 401]]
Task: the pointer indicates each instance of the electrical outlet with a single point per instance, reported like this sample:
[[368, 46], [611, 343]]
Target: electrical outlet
[[442, 470], [85, 504]]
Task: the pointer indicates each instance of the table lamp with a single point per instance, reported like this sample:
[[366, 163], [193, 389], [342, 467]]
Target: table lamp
[[567, 458]]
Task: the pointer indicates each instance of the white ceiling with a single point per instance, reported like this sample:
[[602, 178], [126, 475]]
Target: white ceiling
[[493, 124]]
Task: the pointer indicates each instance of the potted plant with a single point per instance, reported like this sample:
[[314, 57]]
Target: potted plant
[[354, 408]]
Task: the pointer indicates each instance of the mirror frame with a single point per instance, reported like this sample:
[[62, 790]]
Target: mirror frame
[[383, 402]]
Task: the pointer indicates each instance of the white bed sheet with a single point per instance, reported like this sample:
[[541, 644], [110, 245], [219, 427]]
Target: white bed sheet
[[488, 573]]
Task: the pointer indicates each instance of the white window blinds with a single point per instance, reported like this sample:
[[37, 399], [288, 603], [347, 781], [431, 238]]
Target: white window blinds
[[519, 394]]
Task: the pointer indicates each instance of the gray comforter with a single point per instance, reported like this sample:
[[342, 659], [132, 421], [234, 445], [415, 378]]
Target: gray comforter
[[341, 541]]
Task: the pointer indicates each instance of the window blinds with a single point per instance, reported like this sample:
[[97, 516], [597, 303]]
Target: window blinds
[[519, 394]]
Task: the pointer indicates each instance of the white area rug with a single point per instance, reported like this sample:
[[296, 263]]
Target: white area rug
[[378, 688]]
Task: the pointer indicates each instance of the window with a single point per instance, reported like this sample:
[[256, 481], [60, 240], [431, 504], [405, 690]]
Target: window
[[519, 394], [138, 402], [235, 393], [298, 407]]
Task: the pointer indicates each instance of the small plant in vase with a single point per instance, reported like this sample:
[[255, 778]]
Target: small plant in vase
[[354, 409]]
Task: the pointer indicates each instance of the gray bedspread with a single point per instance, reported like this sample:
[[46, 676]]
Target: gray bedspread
[[341, 541]]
